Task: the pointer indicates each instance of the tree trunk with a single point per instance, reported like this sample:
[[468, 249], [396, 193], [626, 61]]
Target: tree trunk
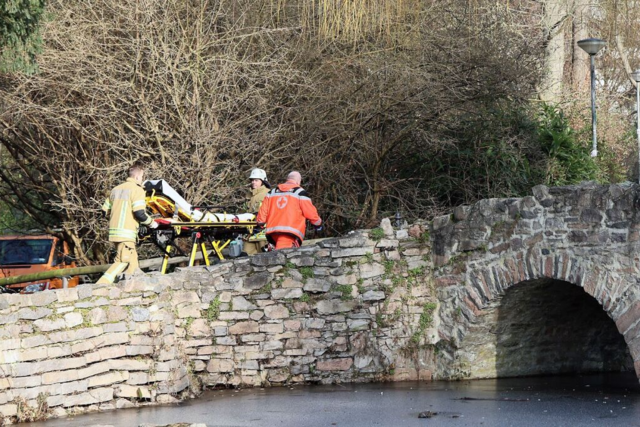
[[580, 60], [555, 16]]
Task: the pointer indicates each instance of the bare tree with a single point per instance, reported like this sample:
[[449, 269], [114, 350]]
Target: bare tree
[[202, 91]]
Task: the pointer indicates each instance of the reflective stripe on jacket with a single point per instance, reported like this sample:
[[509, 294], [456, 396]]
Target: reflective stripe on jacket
[[285, 209], [124, 200]]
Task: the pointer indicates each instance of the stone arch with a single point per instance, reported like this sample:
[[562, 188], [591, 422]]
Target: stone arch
[[613, 285]]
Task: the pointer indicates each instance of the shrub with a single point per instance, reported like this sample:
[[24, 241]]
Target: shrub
[[568, 161]]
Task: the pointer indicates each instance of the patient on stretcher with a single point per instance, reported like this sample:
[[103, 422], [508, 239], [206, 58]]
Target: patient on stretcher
[[162, 199], [222, 217]]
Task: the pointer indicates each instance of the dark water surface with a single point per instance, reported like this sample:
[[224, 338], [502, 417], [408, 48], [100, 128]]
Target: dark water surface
[[588, 400]]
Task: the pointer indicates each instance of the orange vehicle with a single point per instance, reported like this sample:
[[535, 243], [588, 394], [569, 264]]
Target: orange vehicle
[[20, 255]]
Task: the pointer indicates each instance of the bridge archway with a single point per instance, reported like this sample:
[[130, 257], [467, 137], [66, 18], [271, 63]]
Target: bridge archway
[[576, 249], [547, 314], [542, 327]]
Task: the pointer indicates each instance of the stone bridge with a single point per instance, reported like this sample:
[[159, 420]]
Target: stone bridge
[[539, 285], [544, 284]]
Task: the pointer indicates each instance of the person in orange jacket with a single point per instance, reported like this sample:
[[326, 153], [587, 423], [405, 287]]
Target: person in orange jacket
[[284, 211]]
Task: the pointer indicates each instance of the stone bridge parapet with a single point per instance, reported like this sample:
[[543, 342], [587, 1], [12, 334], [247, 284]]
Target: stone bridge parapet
[[422, 302]]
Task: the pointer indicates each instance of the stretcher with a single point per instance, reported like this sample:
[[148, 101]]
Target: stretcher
[[177, 218]]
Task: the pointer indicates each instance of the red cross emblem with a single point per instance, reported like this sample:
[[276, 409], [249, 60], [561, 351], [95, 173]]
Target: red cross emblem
[[282, 202]]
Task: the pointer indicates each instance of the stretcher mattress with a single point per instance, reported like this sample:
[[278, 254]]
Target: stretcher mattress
[[159, 188]]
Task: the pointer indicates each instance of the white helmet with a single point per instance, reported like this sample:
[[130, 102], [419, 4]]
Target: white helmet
[[258, 174]]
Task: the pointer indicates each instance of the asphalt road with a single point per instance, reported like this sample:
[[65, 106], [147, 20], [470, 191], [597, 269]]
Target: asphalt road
[[594, 400]]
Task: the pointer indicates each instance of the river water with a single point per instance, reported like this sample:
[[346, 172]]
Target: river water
[[586, 400]]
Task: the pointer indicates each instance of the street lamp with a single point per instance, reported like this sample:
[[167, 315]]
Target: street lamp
[[636, 76], [593, 46]]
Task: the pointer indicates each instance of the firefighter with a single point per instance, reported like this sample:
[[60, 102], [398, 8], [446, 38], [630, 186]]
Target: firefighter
[[284, 211], [259, 189], [127, 206]]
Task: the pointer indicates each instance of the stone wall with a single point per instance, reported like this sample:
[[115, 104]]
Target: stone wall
[[430, 301], [586, 235], [349, 309]]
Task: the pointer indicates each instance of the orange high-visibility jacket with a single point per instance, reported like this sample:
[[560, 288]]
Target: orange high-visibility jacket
[[285, 209]]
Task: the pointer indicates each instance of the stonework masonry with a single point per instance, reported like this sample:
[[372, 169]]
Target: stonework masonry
[[347, 309], [587, 235], [376, 305]]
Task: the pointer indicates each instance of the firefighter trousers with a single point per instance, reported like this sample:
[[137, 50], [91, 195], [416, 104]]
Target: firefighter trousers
[[252, 248], [126, 261]]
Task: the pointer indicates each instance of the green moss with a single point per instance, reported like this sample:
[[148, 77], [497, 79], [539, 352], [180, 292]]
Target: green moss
[[388, 266], [424, 237], [415, 272], [397, 281], [188, 322], [213, 311], [426, 318], [307, 273], [380, 320], [286, 269], [267, 288], [345, 290], [368, 258], [376, 234], [305, 297]]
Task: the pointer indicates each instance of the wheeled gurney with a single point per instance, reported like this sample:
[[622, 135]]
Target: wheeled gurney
[[177, 218]]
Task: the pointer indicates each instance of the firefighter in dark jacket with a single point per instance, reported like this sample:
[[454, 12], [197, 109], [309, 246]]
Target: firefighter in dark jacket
[[259, 189]]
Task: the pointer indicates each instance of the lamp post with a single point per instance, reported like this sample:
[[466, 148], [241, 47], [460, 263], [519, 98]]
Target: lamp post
[[636, 76], [398, 220], [593, 46]]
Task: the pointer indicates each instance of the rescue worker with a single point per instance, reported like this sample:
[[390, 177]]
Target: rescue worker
[[127, 207], [284, 211], [259, 189]]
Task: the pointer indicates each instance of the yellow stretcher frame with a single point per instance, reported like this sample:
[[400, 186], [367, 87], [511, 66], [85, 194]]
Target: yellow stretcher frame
[[164, 207], [203, 228]]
